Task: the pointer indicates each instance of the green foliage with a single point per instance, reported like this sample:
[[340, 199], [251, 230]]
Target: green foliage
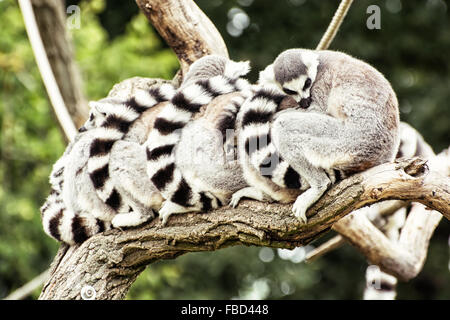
[[113, 43], [103, 63]]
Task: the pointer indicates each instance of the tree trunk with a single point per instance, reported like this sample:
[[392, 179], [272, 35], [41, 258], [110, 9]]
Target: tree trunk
[[51, 19]]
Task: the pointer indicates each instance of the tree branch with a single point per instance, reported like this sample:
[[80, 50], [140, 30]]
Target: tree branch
[[45, 69], [51, 20], [185, 28], [110, 262]]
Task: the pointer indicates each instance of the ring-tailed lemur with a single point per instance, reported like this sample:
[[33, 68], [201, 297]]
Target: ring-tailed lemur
[[58, 222], [73, 212], [346, 121], [208, 77], [111, 121]]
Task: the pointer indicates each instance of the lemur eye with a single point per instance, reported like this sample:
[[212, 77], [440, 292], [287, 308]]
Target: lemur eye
[[289, 91], [307, 84]]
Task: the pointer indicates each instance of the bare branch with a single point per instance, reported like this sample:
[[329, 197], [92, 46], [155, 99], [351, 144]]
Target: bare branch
[[324, 248], [51, 20], [185, 28], [28, 288], [403, 259], [46, 70]]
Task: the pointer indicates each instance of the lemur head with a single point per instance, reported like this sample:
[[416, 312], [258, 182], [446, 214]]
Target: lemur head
[[294, 72], [100, 110], [214, 65]]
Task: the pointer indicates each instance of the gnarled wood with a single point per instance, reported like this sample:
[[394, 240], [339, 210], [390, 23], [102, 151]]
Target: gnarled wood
[[185, 28]]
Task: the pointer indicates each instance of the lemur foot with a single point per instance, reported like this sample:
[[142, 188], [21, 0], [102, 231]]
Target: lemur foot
[[249, 192], [168, 208], [299, 209], [307, 199], [131, 219]]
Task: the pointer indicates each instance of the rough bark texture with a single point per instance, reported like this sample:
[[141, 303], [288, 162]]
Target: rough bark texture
[[51, 20], [110, 262], [185, 28]]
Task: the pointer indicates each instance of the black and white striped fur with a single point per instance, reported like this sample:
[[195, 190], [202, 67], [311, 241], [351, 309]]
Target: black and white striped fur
[[111, 121], [346, 119], [58, 221], [269, 176], [73, 212], [209, 77]]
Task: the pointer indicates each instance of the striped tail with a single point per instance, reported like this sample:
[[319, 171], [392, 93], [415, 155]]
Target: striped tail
[[255, 144], [61, 224], [226, 125], [166, 133], [66, 226], [119, 119]]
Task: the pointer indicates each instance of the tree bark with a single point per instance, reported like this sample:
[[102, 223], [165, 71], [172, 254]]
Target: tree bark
[[51, 20], [185, 28], [110, 262]]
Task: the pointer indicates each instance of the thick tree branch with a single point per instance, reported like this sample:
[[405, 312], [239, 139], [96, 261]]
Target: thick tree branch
[[185, 28], [110, 262], [403, 258]]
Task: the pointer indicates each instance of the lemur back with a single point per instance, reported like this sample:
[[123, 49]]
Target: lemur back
[[209, 77], [206, 153], [346, 121], [116, 117], [73, 211]]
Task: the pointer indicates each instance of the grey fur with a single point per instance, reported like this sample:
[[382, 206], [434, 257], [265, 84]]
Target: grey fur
[[351, 123], [287, 67], [74, 201], [208, 77]]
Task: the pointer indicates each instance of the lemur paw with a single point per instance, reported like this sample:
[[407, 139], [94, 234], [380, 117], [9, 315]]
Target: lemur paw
[[164, 215], [299, 209], [130, 219], [249, 192], [235, 199], [168, 208]]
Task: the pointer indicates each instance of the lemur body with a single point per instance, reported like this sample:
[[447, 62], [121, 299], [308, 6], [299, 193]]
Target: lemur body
[[208, 77], [111, 136], [206, 153], [101, 178], [347, 121], [109, 121]]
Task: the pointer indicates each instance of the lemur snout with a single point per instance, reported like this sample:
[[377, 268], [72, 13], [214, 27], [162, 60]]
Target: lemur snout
[[305, 102]]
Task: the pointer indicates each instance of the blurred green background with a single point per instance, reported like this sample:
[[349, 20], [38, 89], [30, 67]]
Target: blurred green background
[[115, 42]]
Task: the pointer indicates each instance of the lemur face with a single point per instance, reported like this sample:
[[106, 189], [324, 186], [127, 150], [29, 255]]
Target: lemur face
[[295, 71], [100, 110]]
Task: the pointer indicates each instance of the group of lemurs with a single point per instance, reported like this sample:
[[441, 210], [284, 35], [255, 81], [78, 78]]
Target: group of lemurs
[[312, 119]]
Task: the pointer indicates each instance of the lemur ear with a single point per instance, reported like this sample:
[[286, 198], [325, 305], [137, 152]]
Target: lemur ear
[[236, 69], [267, 76], [102, 107], [310, 59], [95, 106]]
